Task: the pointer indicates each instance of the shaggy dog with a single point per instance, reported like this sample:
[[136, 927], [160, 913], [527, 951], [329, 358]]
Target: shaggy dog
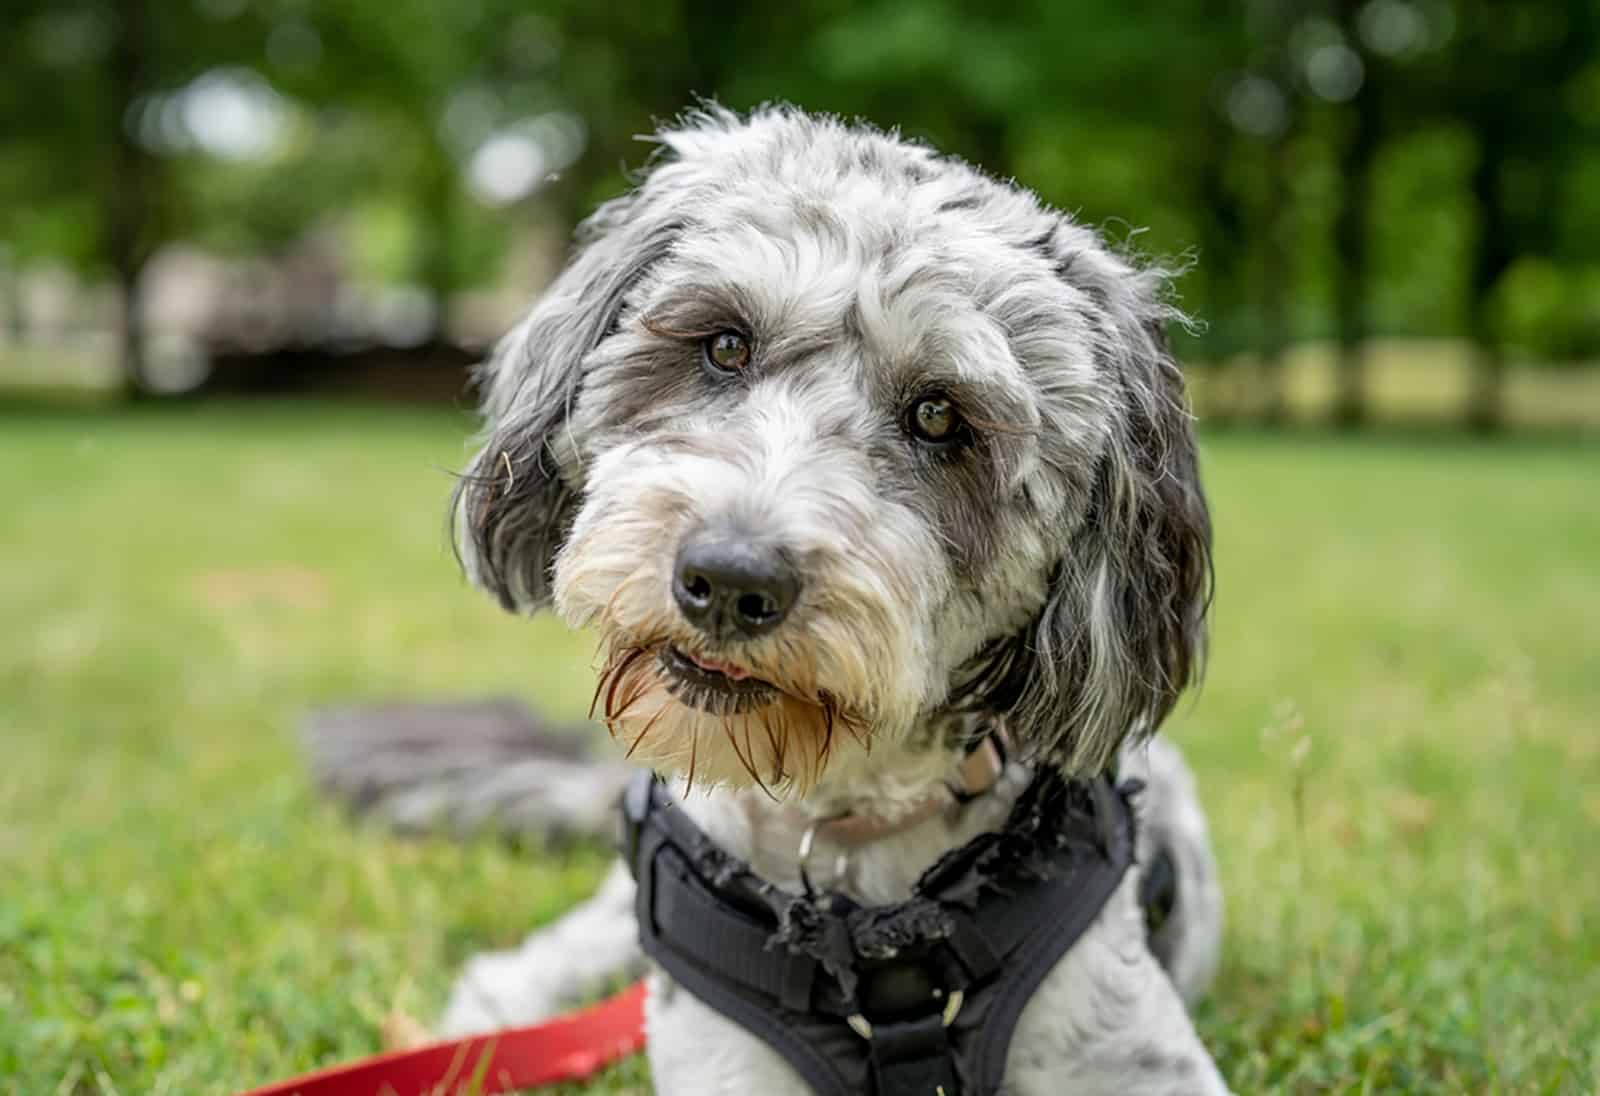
[[852, 455]]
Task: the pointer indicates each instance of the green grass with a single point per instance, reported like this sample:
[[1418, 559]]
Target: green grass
[[1396, 744]]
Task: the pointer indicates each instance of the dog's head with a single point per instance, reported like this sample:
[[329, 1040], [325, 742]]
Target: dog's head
[[828, 435]]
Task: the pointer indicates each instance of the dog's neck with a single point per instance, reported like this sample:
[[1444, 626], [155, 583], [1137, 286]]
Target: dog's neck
[[893, 775], [893, 787]]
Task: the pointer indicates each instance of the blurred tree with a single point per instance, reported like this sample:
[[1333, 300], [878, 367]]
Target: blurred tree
[[12, 320], [1334, 167], [1267, 102], [1348, 74], [77, 136], [425, 83], [128, 180], [1513, 77]]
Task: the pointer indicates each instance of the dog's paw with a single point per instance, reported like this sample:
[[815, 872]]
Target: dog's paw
[[402, 1031], [496, 990]]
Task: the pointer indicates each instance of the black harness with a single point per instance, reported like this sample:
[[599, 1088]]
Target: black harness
[[914, 999]]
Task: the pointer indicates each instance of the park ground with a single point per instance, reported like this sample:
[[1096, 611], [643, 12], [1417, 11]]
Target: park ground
[[1396, 743]]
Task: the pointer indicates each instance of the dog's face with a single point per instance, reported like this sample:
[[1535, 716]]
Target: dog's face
[[829, 436]]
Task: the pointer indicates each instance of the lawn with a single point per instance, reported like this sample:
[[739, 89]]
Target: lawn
[[1396, 743]]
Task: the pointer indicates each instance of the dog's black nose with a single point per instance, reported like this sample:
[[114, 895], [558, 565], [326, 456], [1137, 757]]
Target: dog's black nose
[[729, 588]]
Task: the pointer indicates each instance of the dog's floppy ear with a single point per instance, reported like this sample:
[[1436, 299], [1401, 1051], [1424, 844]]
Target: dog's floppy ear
[[516, 501], [1123, 630]]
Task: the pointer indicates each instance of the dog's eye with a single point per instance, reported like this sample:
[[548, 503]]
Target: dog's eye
[[934, 419], [727, 351]]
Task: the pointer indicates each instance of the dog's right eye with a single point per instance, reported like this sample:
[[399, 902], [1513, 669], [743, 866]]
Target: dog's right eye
[[727, 352]]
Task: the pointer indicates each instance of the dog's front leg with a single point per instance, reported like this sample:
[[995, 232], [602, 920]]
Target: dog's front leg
[[696, 1051], [1107, 1020], [557, 968]]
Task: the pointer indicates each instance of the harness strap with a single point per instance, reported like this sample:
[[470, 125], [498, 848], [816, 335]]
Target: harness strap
[[713, 979], [1036, 958], [914, 1057]]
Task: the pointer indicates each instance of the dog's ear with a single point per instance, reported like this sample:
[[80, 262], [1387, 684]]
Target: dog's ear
[[1123, 630], [516, 501]]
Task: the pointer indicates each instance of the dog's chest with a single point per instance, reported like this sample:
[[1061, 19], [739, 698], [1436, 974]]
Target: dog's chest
[[769, 837]]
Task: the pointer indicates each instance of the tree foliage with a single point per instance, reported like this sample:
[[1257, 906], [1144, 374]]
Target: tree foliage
[[1337, 168]]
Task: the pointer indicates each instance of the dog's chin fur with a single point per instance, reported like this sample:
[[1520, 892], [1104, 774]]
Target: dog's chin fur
[[770, 735]]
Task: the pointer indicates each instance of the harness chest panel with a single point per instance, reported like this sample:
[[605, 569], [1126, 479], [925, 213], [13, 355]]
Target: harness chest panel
[[914, 998]]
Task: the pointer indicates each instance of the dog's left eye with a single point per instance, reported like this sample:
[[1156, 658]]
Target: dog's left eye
[[934, 419], [727, 352]]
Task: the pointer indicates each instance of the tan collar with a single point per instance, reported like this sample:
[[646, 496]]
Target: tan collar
[[980, 771]]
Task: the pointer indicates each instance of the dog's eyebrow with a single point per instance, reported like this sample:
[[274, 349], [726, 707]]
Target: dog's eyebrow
[[660, 327], [696, 312]]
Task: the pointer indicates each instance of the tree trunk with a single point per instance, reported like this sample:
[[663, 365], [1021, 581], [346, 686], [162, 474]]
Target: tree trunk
[[1486, 398], [1220, 231], [14, 308], [1351, 253], [1275, 278], [1492, 256], [127, 197], [1274, 25], [131, 336], [436, 263]]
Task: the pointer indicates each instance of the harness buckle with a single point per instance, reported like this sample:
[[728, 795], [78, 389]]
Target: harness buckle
[[952, 1008], [807, 844]]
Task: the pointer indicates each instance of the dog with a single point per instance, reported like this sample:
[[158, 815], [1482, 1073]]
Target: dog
[[875, 478]]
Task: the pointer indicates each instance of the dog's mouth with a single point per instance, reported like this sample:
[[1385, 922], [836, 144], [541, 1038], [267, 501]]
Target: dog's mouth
[[722, 688]]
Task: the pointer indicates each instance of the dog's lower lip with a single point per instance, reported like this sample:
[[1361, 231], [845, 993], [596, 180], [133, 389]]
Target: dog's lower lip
[[713, 674], [726, 669]]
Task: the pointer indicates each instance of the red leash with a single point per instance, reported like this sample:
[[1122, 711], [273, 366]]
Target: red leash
[[568, 1048]]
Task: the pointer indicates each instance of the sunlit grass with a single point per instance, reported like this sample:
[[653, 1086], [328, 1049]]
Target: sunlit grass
[[1405, 646]]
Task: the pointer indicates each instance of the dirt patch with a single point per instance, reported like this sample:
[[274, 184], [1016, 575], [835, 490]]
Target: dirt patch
[[290, 586]]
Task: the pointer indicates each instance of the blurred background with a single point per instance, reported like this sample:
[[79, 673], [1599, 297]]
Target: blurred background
[[249, 248], [1392, 206]]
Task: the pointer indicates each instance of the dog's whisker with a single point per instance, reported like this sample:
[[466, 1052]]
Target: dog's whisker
[[825, 748], [774, 750], [638, 688], [744, 761], [606, 682], [860, 732], [617, 678], [647, 727], [608, 685], [751, 754]]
